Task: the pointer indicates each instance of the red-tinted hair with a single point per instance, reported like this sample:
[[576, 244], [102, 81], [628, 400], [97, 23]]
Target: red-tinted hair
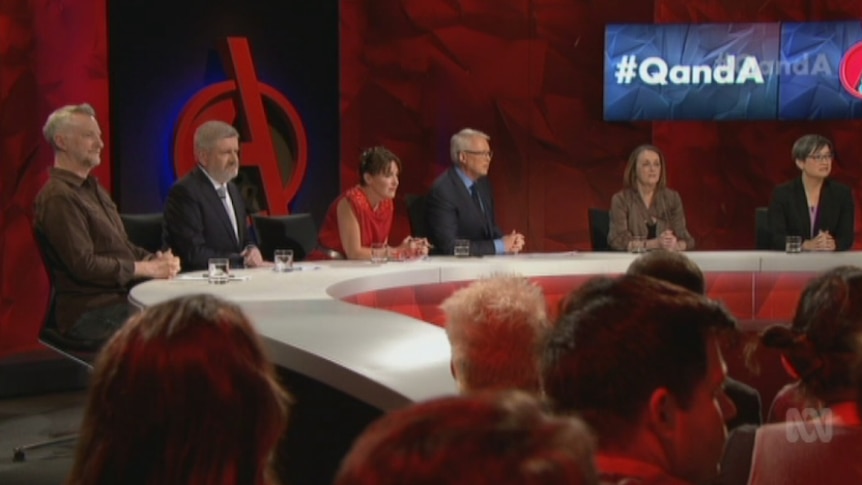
[[501, 438], [183, 393]]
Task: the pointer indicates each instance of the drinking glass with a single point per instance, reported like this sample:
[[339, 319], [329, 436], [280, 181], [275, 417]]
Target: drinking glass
[[638, 244], [462, 248], [283, 259], [378, 253], [218, 271], [793, 244]]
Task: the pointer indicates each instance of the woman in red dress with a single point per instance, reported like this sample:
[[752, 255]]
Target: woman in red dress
[[363, 214]]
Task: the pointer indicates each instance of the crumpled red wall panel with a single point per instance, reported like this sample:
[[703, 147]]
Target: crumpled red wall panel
[[51, 53], [725, 170], [529, 72]]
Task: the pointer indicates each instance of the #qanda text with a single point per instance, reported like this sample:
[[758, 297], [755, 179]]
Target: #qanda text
[[730, 69]]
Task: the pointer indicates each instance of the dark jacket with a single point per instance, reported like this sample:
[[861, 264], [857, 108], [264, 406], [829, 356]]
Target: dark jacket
[[451, 214], [196, 225], [789, 214]]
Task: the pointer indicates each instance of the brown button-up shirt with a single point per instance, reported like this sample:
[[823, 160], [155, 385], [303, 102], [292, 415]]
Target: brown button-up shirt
[[92, 260]]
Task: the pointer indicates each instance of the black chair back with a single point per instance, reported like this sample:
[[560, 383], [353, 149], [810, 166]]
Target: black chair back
[[144, 230], [296, 231], [761, 227], [416, 214], [600, 224], [81, 351]]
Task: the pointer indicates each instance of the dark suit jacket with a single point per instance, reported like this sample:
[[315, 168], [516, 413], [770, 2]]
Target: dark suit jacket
[[789, 216], [196, 225], [451, 214], [747, 401]]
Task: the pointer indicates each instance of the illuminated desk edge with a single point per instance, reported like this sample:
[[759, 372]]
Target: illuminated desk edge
[[313, 348]]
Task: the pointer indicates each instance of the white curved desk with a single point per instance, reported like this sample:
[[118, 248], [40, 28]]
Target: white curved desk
[[387, 359]]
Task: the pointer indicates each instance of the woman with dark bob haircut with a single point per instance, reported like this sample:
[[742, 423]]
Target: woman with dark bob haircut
[[813, 206], [182, 394]]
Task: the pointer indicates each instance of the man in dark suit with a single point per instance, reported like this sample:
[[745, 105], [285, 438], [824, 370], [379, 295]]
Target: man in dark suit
[[461, 203], [205, 216]]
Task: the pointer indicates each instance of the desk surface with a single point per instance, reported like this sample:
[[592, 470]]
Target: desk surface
[[387, 359]]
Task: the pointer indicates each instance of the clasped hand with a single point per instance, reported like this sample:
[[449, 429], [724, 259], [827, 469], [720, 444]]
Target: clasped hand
[[252, 258], [514, 242], [822, 242], [165, 264], [412, 247], [667, 240]]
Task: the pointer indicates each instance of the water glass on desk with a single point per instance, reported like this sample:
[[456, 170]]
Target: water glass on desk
[[462, 248], [218, 271], [637, 244], [793, 244], [283, 259], [379, 253]]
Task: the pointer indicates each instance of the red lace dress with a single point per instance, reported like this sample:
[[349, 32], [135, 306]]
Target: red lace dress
[[374, 225]]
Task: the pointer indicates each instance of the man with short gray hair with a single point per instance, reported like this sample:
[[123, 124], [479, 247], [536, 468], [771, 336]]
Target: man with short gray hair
[[461, 202], [92, 262], [205, 216]]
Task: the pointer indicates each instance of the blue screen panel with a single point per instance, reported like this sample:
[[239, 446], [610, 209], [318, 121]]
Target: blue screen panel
[[811, 63], [690, 72]]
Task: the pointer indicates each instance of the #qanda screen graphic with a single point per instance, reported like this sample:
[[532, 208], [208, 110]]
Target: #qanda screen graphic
[[755, 71]]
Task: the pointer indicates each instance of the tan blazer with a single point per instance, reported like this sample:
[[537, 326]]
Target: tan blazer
[[629, 217]]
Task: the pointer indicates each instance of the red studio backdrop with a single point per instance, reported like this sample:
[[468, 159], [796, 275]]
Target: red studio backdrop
[[51, 54], [528, 72]]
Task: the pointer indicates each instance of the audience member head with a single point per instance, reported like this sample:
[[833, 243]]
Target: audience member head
[[74, 134], [502, 438], [819, 347], [640, 168], [379, 170], [671, 266], [470, 151], [217, 150], [639, 359], [496, 327], [183, 393]]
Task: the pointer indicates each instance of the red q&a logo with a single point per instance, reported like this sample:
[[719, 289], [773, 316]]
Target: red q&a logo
[[851, 70], [271, 132]]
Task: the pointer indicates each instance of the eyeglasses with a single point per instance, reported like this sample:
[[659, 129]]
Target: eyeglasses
[[821, 158], [489, 153]]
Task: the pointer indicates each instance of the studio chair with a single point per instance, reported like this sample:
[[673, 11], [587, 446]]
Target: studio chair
[[761, 228], [416, 214], [144, 230], [600, 224], [296, 231], [82, 352]]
